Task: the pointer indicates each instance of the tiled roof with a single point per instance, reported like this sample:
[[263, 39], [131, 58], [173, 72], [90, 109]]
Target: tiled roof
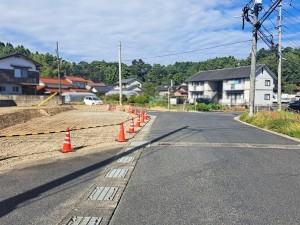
[[79, 90], [49, 80], [104, 89], [228, 73], [77, 79], [129, 80], [53, 90]]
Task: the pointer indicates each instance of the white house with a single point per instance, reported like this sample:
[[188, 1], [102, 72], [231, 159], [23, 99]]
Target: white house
[[18, 74], [131, 84], [231, 86]]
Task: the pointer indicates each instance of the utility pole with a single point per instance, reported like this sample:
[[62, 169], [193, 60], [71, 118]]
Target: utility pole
[[120, 75], [58, 72], [169, 95], [279, 56], [253, 59]]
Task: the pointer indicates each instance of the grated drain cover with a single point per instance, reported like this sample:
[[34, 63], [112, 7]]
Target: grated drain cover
[[103, 193], [88, 220], [125, 159], [117, 173]]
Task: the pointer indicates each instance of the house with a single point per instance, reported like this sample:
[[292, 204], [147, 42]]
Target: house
[[77, 82], [49, 85], [131, 84], [92, 86], [103, 89], [18, 75], [163, 90], [231, 86]]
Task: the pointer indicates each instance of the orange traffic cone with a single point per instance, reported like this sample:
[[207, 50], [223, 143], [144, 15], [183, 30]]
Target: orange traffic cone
[[131, 128], [138, 122], [121, 137], [142, 117], [67, 142], [146, 115]]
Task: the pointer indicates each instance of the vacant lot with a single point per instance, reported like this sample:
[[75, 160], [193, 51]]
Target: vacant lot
[[32, 149]]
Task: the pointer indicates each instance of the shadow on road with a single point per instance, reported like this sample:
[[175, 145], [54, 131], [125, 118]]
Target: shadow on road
[[8, 205]]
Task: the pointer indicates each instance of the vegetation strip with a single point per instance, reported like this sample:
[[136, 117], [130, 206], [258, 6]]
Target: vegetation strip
[[59, 131]]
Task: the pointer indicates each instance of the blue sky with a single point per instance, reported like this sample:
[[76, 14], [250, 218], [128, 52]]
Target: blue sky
[[91, 29]]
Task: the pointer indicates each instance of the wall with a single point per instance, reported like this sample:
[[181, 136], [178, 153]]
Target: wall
[[9, 88], [19, 61], [28, 100]]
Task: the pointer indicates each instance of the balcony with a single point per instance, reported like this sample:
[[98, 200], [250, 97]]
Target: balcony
[[195, 88], [232, 87]]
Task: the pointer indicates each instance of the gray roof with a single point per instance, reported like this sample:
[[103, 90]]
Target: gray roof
[[129, 80], [228, 73], [104, 89], [16, 54]]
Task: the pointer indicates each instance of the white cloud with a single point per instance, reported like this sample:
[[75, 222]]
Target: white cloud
[[91, 29]]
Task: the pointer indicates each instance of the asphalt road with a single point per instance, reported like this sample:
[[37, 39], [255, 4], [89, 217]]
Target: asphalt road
[[46, 193], [207, 168]]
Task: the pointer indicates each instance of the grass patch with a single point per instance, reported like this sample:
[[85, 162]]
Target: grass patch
[[282, 122]]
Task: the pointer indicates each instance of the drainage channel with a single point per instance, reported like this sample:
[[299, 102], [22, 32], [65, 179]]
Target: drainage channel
[[97, 205]]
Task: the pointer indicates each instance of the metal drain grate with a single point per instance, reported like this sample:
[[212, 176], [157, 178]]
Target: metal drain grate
[[117, 173], [88, 220], [125, 159], [103, 193]]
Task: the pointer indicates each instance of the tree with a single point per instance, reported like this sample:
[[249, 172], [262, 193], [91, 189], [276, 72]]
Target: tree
[[149, 89]]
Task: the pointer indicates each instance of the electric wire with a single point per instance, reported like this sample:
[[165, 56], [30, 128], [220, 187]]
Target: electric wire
[[192, 51]]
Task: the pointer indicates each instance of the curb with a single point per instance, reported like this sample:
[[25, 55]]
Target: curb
[[237, 118]]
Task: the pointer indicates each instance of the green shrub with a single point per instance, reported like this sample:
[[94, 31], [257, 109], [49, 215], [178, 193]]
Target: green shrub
[[203, 107]]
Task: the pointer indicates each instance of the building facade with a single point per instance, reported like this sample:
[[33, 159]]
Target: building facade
[[18, 75], [231, 86]]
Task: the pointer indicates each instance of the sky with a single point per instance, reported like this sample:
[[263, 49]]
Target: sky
[[156, 31]]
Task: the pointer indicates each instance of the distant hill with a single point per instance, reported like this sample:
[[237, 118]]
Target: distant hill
[[107, 72]]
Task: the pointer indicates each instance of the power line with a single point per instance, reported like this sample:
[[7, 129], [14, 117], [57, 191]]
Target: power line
[[186, 52], [297, 22], [290, 13], [294, 7], [290, 40]]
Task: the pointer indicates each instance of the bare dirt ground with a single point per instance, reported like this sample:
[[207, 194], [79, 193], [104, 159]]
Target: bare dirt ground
[[33, 149]]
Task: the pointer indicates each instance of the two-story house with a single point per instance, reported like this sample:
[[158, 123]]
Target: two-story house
[[131, 84], [231, 86], [18, 74]]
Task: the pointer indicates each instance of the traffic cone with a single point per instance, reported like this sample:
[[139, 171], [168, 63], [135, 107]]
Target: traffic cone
[[67, 142], [142, 117], [138, 122], [121, 137], [131, 128], [146, 115]]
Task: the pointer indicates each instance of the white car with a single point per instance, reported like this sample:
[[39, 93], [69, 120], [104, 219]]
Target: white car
[[90, 100]]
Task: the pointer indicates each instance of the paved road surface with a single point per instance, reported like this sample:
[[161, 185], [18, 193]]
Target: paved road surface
[[206, 168]]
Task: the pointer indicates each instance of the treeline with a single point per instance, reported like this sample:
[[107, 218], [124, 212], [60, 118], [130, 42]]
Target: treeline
[[107, 72]]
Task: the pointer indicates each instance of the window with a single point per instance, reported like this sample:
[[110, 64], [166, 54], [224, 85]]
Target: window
[[2, 89], [267, 83], [15, 89], [18, 73], [21, 73], [267, 96], [24, 73]]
